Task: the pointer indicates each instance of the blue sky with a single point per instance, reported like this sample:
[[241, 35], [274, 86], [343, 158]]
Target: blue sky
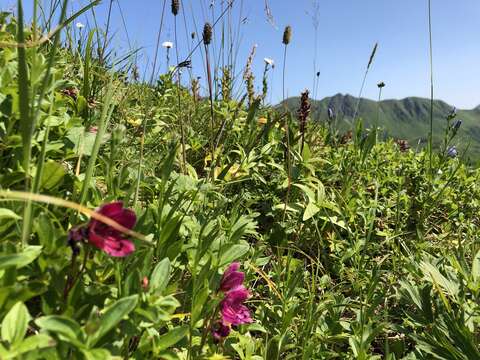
[[347, 32]]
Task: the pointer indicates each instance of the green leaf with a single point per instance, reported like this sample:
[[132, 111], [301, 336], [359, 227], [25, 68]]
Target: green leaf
[[22, 259], [233, 252], [8, 214], [96, 354], [310, 211], [476, 267], [15, 323], [67, 329], [171, 338], [113, 315], [36, 342], [53, 174], [160, 276]]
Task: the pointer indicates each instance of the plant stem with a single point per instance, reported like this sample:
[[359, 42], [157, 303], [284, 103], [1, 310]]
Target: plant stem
[[180, 118], [212, 114], [102, 124], [430, 135], [287, 134]]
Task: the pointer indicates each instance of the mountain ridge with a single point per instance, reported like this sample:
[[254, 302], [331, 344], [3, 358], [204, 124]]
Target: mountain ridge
[[407, 118]]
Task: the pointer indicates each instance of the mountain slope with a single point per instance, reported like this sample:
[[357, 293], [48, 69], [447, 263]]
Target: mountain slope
[[408, 118]]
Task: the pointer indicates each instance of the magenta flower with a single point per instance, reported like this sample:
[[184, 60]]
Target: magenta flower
[[232, 278], [107, 238], [232, 309]]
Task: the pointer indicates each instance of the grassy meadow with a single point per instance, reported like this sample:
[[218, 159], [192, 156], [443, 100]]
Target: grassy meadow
[[161, 216]]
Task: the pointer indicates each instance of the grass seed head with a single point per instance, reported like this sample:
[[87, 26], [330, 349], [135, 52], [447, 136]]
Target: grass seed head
[[207, 33], [175, 7], [287, 35]]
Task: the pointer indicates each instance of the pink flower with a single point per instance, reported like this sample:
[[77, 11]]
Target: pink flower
[[107, 238], [232, 278], [93, 130], [232, 309]]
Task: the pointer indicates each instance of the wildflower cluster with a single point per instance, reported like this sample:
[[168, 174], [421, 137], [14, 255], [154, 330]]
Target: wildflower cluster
[[233, 312]]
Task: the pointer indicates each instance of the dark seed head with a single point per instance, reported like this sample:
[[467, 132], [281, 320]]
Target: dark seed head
[[372, 55], [175, 7], [304, 110], [207, 34], [287, 35], [381, 85]]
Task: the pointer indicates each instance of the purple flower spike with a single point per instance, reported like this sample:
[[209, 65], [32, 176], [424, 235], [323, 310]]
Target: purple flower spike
[[232, 278]]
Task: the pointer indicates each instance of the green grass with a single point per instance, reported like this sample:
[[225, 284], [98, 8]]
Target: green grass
[[370, 256]]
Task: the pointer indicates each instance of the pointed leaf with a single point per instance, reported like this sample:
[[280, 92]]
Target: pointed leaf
[[15, 323], [8, 214], [310, 211], [171, 338], [112, 316], [160, 276], [476, 267], [233, 252], [20, 260], [67, 329]]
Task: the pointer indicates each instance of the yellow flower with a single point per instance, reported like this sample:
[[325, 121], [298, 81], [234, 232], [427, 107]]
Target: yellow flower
[[134, 122], [262, 121]]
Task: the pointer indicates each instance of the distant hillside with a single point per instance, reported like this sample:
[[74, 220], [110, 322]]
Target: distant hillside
[[408, 118]]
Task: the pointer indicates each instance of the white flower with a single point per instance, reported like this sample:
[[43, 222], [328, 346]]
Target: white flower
[[167, 44], [79, 25], [269, 61]]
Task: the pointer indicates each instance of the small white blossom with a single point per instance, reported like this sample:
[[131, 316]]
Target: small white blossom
[[167, 44], [79, 25], [269, 61]]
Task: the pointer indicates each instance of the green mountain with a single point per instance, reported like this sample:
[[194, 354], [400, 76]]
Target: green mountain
[[407, 119]]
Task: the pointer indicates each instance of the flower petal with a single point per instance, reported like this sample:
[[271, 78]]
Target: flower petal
[[111, 209], [118, 247]]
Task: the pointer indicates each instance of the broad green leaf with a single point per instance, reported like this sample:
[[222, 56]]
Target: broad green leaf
[[67, 329], [112, 316], [15, 323], [8, 214], [160, 276], [171, 338], [310, 211], [20, 259], [437, 277], [309, 192], [36, 342], [54, 121], [53, 174], [476, 267], [96, 354], [233, 252], [83, 140]]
